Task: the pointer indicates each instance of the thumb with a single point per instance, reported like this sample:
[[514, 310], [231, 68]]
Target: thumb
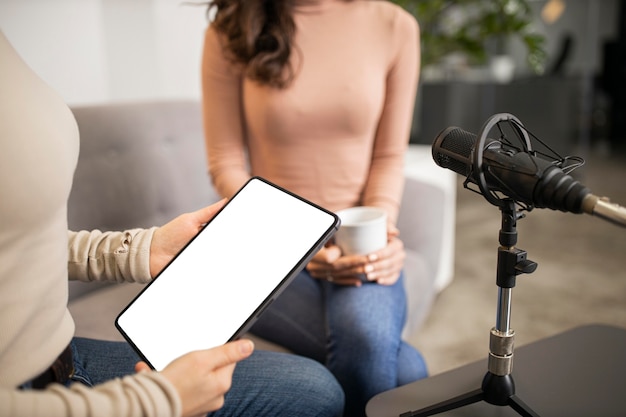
[[207, 213], [142, 367], [328, 254], [231, 352]]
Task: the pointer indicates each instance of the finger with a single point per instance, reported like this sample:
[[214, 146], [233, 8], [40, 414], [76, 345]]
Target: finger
[[325, 272], [322, 262], [322, 272], [392, 231], [387, 271], [381, 272], [327, 255], [319, 271], [231, 352], [333, 253], [347, 281], [207, 213], [382, 266], [142, 367], [393, 250], [388, 279], [350, 261]]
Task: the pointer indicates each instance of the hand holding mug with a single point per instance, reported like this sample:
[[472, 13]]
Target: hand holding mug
[[366, 250]]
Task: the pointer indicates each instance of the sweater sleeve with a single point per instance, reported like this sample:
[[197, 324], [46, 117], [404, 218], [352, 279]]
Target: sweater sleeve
[[110, 256], [386, 177], [143, 394], [223, 120]]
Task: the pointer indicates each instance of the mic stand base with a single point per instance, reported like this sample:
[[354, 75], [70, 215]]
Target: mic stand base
[[496, 390]]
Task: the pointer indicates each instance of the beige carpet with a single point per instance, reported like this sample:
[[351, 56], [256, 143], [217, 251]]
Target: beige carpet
[[581, 277]]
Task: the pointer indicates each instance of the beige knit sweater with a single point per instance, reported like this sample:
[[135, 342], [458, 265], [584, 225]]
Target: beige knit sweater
[[39, 145]]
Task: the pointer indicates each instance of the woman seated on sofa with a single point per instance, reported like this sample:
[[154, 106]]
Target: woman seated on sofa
[[44, 370], [317, 96]]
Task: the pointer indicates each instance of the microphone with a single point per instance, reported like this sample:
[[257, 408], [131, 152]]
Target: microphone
[[521, 176]]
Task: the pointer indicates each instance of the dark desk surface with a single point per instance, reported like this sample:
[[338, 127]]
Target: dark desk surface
[[581, 372]]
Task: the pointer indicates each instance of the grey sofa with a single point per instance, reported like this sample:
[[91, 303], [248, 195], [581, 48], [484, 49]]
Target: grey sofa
[[142, 164]]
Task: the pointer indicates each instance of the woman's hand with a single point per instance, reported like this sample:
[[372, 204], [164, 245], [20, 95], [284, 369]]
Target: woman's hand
[[203, 377], [383, 266], [170, 238]]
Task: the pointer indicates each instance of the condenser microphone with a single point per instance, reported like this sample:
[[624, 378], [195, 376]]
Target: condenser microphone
[[520, 175]]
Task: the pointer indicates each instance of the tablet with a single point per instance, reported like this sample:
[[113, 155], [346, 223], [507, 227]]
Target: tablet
[[223, 279]]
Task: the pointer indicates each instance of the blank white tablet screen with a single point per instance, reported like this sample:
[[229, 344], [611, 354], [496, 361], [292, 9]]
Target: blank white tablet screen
[[205, 295]]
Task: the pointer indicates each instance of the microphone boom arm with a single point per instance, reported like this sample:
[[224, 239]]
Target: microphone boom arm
[[603, 208]]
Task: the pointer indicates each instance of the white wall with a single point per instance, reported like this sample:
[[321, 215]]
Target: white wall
[[94, 51], [114, 50]]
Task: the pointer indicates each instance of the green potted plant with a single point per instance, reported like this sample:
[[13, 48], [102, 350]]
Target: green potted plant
[[479, 29]]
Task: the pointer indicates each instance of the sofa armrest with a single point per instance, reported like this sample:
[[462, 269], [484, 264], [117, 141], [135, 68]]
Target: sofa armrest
[[426, 222], [428, 213]]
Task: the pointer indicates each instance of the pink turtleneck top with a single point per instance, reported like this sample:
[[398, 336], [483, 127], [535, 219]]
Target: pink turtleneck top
[[337, 135]]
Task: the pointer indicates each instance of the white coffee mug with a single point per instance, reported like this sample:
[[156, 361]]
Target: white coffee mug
[[363, 230]]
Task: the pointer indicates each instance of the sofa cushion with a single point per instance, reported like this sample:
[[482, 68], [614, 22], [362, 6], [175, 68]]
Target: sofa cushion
[[140, 165]]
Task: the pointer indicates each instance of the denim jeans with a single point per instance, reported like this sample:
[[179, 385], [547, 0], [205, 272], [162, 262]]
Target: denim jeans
[[354, 331], [265, 384]]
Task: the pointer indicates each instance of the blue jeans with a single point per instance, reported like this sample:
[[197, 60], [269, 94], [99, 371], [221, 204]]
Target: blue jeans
[[354, 331], [265, 384]]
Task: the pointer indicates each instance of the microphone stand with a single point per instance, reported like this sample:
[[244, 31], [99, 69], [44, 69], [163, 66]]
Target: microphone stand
[[498, 386]]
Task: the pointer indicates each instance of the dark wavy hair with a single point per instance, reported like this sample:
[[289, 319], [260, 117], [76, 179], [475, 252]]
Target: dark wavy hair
[[257, 35]]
